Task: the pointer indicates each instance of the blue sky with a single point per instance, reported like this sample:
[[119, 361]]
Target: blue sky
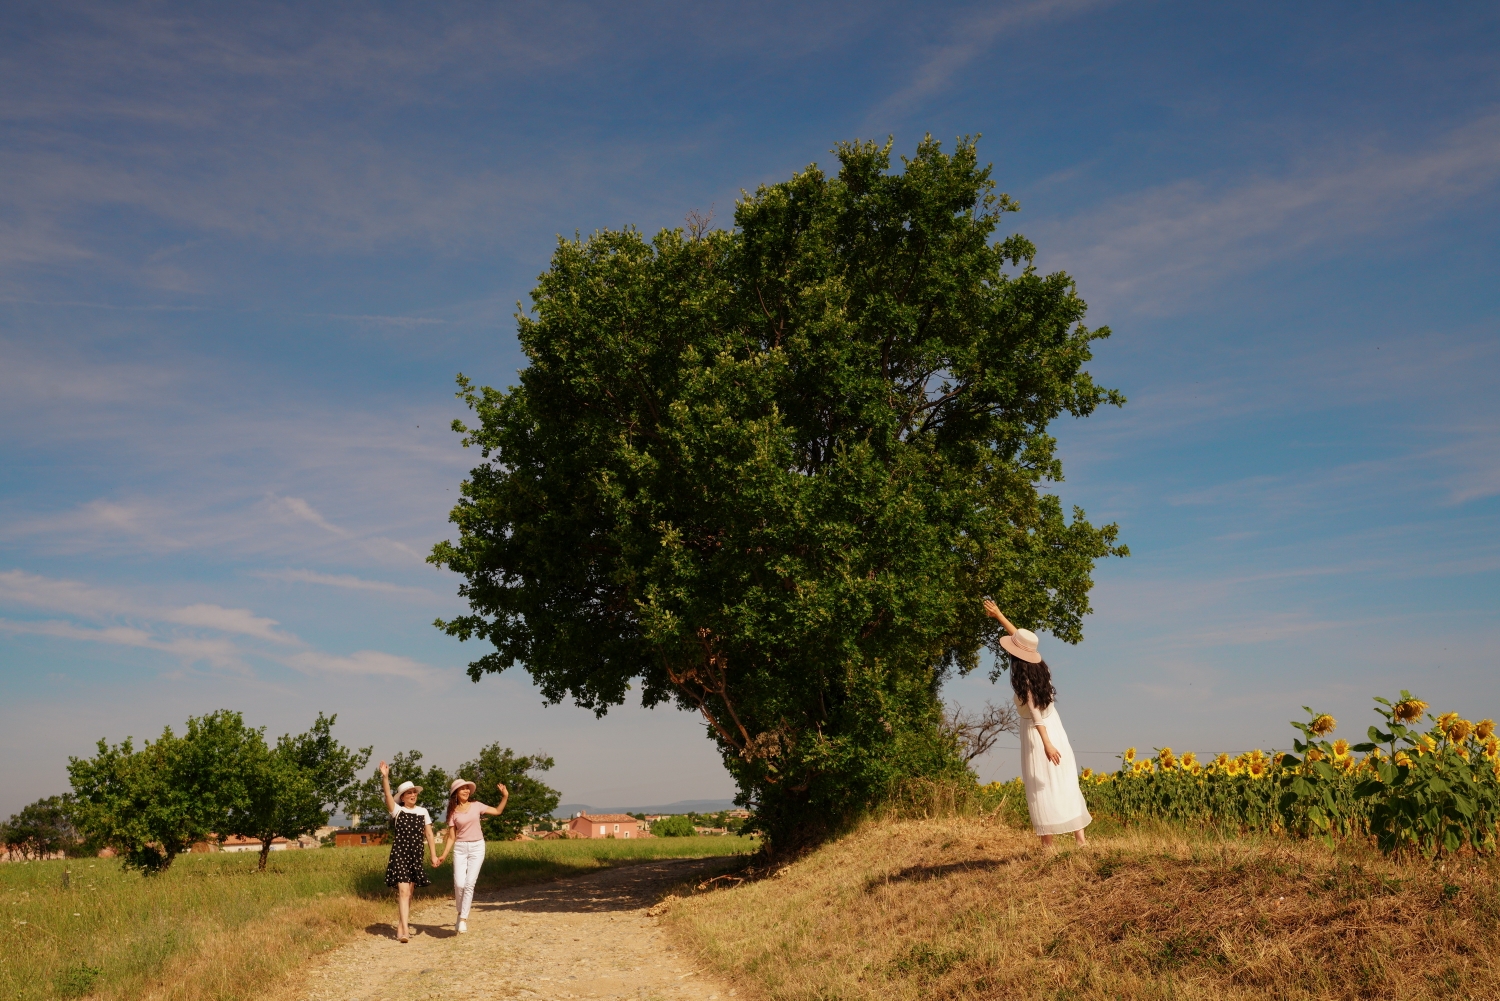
[[244, 250]]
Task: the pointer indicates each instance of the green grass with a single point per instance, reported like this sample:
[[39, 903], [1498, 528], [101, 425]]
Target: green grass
[[114, 933]]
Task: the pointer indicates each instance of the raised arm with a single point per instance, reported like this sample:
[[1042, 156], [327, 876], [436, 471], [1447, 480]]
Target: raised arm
[[504, 798], [993, 611], [385, 786]]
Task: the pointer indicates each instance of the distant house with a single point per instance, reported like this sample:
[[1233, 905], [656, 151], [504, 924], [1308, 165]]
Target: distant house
[[238, 843], [604, 825], [357, 837]]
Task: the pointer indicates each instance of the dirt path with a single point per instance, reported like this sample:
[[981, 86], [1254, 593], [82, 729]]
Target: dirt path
[[584, 937]]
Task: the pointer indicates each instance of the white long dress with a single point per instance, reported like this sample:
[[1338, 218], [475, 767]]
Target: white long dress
[[1052, 793]]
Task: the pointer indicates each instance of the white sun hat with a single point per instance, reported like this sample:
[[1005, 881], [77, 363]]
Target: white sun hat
[[1022, 645], [404, 788]]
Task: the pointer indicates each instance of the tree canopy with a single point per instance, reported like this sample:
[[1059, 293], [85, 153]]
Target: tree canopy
[[768, 473], [291, 789], [531, 800], [153, 804]]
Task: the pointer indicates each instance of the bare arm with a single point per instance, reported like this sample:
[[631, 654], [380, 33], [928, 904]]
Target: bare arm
[[385, 785], [993, 611], [504, 798], [431, 844], [1053, 754]]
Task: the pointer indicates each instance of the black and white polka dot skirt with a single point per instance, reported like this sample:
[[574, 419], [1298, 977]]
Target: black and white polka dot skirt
[[407, 846]]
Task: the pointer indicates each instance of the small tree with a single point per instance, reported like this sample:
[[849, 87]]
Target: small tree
[[153, 804], [531, 800], [293, 787], [676, 826], [41, 829]]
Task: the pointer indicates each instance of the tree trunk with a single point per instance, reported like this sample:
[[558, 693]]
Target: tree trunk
[[265, 851]]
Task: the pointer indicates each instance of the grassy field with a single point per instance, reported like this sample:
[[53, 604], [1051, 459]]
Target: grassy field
[[966, 908], [213, 927]]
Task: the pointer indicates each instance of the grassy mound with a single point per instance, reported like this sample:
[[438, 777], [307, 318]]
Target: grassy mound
[[966, 908], [213, 927]]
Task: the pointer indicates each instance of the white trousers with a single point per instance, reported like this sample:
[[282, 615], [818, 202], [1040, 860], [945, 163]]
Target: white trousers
[[468, 856]]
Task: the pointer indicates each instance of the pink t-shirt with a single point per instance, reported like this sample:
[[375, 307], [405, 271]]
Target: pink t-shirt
[[466, 822]]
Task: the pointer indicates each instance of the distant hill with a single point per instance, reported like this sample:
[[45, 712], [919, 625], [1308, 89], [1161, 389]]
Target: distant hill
[[567, 810]]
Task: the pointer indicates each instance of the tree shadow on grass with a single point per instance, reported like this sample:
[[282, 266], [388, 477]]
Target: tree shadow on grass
[[926, 873], [620, 888]]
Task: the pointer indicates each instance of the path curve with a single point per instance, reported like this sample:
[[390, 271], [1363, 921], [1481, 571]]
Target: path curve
[[580, 937]]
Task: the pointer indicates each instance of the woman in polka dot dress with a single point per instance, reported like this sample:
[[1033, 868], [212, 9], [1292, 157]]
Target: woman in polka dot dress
[[413, 828]]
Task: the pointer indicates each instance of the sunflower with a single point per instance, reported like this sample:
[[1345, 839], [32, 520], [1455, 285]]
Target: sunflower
[[1233, 766], [1189, 761], [1313, 754], [1409, 710], [1166, 758], [1458, 731], [1484, 729], [1426, 745], [1258, 768], [1220, 762], [1492, 748], [1142, 767], [1129, 755], [1340, 749], [1087, 773], [1323, 724]]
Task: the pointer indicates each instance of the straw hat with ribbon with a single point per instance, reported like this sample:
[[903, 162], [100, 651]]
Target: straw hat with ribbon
[[1022, 646]]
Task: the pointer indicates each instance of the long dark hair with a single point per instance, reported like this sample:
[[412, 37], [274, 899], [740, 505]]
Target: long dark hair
[[1032, 682], [453, 801]]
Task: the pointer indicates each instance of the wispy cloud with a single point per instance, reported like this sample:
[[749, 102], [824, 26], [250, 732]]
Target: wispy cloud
[[968, 39], [215, 652], [365, 662], [1156, 249], [301, 510], [389, 321], [345, 581], [146, 627]]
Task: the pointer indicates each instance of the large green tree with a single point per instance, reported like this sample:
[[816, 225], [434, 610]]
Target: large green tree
[[531, 800], [152, 804], [292, 788], [769, 473]]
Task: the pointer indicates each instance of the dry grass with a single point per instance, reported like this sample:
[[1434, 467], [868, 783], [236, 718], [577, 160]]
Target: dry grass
[[971, 909], [213, 929]]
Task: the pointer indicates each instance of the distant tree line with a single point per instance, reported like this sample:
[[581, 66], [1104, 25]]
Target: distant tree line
[[221, 778]]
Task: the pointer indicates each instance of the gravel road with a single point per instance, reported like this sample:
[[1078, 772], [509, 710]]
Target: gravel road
[[583, 937]]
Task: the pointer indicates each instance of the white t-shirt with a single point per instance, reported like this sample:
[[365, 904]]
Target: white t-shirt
[[421, 810]]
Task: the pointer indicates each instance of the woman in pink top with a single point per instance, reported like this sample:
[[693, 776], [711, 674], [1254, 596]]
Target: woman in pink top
[[466, 842]]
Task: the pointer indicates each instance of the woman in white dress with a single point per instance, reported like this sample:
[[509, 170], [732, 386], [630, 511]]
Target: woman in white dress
[[1047, 767]]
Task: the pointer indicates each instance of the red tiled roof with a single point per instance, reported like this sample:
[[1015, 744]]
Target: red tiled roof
[[609, 818]]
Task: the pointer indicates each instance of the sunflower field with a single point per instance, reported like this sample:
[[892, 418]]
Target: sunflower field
[[1432, 790]]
